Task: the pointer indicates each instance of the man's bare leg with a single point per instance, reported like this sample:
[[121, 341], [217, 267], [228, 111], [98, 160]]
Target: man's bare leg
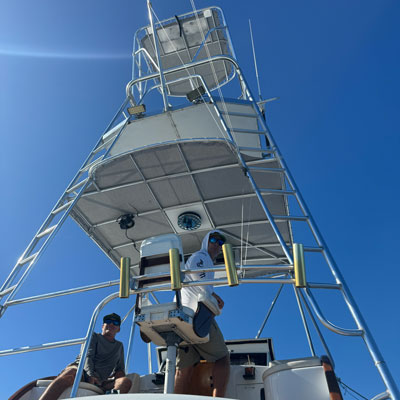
[[57, 387], [183, 378], [123, 384], [221, 372]]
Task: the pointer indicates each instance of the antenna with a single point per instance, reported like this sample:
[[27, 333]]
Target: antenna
[[255, 62]]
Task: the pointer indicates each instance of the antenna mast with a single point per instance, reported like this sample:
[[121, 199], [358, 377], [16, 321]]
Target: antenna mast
[[255, 62]]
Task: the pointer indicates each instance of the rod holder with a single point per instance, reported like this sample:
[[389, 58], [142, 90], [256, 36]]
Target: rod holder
[[230, 266], [124, 277], [299, 265], [175, 268]]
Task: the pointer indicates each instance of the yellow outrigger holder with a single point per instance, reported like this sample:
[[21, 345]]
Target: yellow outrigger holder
[[175, 268], [299, 265], [230, 266], [124, 277]]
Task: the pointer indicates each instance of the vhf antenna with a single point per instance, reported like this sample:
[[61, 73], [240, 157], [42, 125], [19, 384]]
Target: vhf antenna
[[255, 62]]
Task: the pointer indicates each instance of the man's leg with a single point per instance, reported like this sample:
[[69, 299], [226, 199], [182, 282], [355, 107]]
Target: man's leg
[[62, 382], [221, 372], [183, 378], [123, 384]]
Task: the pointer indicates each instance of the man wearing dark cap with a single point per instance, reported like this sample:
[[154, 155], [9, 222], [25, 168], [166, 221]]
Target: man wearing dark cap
[[104, 364]]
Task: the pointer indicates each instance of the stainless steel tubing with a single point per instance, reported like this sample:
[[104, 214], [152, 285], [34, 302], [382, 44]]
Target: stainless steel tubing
[[321, 337], [63, 292], [177, 69], [303, 317], [354, 310], [269, 311], [87, 341], [157, 51], [325, 322], [44, 346], [130, 343]]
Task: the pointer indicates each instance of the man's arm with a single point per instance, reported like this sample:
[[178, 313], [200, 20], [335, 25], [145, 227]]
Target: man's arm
[[89, 362]]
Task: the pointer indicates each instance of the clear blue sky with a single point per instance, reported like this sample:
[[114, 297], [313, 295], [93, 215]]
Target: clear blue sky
[[334, 67]]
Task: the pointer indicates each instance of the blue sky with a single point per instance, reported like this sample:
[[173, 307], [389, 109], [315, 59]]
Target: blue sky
[[334, 67]]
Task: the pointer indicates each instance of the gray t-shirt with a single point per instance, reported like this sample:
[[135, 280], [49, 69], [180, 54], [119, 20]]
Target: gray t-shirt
[[104, 358]]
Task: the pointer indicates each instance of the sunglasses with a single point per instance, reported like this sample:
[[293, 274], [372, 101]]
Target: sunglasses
[[112, 321], [215, 240]]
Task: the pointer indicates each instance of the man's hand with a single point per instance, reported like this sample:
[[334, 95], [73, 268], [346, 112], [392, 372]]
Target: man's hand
[[219, 300], [119, 374], [94, 381]]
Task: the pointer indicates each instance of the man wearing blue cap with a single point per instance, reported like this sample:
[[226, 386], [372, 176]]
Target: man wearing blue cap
[[104, 364]]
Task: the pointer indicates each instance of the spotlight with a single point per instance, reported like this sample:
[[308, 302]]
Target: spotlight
[[195, 95], [137, 111]]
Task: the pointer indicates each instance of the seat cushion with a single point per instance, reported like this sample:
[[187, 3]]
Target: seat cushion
[[82, 385]]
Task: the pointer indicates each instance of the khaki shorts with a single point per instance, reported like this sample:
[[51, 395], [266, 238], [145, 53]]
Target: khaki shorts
[[213, 350]]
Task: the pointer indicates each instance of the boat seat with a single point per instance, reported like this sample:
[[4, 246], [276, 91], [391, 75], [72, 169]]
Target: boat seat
[[167, 324], [88, 389], [157, 320], [135, 379]]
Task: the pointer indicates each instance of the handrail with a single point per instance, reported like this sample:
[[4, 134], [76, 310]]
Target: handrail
[[63, 292], [87, 341], [223, 27], [180, 68], [45, 346], [325, 322], [382, 396]]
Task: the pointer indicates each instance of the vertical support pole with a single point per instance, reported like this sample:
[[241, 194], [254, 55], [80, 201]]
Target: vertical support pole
[[150, 363], [303, 318], [130, 343], [172, 340], [170, 367], [157, 51]]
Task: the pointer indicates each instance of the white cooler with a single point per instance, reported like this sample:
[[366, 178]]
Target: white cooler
[[296, 379]]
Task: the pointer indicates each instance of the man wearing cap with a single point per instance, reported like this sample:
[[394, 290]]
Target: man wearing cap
[[104, 364], [215, 349]]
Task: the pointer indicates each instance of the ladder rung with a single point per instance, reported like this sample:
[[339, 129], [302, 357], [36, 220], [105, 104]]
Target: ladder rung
[[251, 131], [264, 169], [77, 186], [311, 249], [290, 217], [88, 166], [104, 144], [256, 149], [46, 231], [66, 205], [27, 259], [276, 191], [239, 114], [8, 290]]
